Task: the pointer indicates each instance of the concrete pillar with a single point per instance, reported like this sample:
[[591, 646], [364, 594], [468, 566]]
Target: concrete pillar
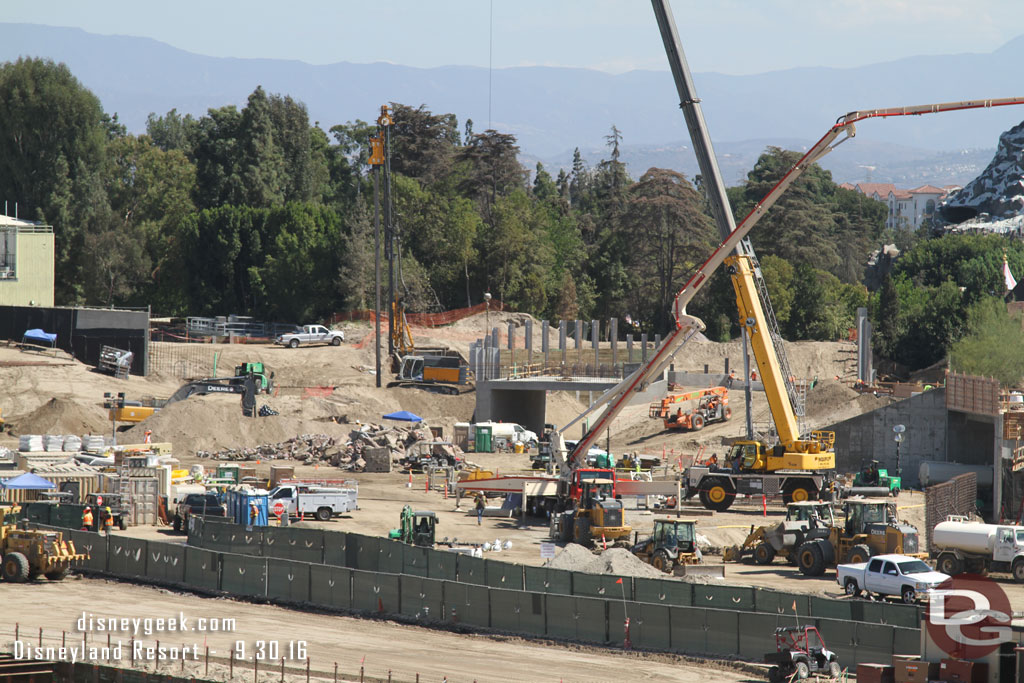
[[529, 341], [643, 348], [578, 336], [512, 337], [561, 339], [595, 337], [544, 344], [657, 341], [613, 337], [629, 348]]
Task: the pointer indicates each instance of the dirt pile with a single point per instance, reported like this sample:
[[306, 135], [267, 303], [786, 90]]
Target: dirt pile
[[576, 558], [62, 416]]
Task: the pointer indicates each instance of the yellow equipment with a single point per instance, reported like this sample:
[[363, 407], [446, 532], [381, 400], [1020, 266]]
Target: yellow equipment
[[871, 528], [672, 542], [596, 518], [795, 453], [783, 538], [28, 553]]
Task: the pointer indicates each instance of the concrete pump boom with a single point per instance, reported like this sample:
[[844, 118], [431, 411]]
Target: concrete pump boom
[[618, 396]]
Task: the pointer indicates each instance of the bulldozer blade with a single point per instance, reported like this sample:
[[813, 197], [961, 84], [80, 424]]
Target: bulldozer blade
[[714, 571]]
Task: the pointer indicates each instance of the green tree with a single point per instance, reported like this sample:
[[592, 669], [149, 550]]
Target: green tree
[[423, 143], [52, 137], [991, 346]]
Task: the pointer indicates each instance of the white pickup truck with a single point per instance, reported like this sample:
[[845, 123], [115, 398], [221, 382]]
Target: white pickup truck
[[907, 577], [320, 502], [311, 334]]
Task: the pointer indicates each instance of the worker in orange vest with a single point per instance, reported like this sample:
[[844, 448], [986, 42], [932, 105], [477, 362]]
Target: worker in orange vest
[[106, 519], [87, 519]]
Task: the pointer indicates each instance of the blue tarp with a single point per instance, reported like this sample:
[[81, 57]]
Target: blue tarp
[[404, 416], [27, 481], [40, 336]]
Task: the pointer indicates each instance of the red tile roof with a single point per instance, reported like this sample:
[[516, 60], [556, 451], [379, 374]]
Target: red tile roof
[[883, 189], [927, 189]]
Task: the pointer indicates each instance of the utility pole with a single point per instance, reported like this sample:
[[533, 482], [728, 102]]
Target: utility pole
[[378, 159], [384, 126]]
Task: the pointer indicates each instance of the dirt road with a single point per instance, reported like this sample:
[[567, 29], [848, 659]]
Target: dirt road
[[404, 650]]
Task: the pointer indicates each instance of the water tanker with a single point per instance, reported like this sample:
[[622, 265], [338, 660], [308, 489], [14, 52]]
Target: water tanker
[[958, 546]]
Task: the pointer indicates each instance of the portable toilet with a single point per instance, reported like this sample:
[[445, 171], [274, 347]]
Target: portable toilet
[[240, 501], [482, 443]]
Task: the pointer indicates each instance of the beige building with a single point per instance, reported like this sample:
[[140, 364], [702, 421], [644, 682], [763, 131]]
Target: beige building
[[26, 263]]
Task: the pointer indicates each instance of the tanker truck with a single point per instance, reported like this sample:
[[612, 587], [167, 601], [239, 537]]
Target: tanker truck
[[958, 546]]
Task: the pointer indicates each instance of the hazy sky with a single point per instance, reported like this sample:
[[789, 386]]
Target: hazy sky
[[728, 36]]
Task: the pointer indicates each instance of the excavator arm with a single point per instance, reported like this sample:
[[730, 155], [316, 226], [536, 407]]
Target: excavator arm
[[616, 398]]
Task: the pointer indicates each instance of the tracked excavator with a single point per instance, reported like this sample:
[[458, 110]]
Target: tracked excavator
[[246, 385]]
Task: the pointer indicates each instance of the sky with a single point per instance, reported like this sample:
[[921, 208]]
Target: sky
[[727, 36]]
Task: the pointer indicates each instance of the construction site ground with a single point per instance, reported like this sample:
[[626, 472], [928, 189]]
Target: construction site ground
[[331, 390]]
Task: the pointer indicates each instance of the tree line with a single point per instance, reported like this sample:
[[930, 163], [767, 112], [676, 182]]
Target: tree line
[[257, 210]]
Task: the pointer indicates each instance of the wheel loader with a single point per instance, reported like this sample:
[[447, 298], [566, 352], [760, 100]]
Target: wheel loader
[[29, 553], [871, 528], [783, 538], [596, 518]]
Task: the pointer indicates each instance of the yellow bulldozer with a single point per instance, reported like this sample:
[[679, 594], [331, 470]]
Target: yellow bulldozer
[[28, 553]]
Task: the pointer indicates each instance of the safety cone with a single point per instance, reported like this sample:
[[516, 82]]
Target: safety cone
[[409, 485], [604, 542]]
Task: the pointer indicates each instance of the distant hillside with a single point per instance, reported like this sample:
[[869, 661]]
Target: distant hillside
[[552, 110]]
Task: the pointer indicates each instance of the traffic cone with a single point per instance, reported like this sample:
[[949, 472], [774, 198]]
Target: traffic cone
[[409, 485]]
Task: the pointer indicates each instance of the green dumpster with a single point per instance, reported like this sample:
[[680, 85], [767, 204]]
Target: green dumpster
[[483, 439]]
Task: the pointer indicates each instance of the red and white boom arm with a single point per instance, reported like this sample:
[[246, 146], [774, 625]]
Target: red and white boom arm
[[618, 396]]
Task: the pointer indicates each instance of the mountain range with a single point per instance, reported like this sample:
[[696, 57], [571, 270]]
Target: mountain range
[[554, 110]]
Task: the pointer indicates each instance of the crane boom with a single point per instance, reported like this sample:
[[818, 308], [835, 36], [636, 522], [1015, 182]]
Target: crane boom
[[687, 325]]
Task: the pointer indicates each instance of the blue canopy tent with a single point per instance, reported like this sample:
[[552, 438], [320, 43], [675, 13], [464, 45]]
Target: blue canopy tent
[[27, 481], [404, 416], [38, 337]]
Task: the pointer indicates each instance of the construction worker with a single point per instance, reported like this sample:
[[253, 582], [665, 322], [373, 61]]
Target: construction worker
[[106, 519], [87, 519], [480, 505], [254, 513], [679, 415], [731, 379], [753, 375], [713, 462]]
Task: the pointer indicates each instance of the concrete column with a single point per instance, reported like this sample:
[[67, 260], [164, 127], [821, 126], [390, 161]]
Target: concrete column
[[561, 339], [544, 344], [595, 337], [578, 336], [529, 341], [613, 337], [512, 337], [629, 348], [657, 341], [643, 348]]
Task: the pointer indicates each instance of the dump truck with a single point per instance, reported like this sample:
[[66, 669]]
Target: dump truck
[[28, 553], [960, 546]]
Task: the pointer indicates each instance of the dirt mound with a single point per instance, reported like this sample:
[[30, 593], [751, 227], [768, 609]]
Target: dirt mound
[[576, 558], [62, 416]]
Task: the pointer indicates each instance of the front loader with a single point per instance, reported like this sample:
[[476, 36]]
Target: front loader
[[29, 553]]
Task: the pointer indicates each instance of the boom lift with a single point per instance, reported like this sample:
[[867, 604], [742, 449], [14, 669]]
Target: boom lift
[[801, 466], [712, 406]]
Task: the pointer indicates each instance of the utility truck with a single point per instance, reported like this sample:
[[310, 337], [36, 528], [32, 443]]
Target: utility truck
[[321, 502], [960, 546]]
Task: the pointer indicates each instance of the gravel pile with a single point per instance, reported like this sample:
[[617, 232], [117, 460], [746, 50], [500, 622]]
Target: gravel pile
[[620, 561]]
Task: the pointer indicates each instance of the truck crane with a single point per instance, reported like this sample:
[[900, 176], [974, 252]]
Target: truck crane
[[801, 466]]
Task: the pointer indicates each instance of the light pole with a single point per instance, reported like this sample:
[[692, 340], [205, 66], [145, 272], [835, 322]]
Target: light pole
[[898, 437], [113, 403]]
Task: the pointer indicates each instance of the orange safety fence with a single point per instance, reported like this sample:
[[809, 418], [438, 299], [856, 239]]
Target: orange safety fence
[[422, 319]]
